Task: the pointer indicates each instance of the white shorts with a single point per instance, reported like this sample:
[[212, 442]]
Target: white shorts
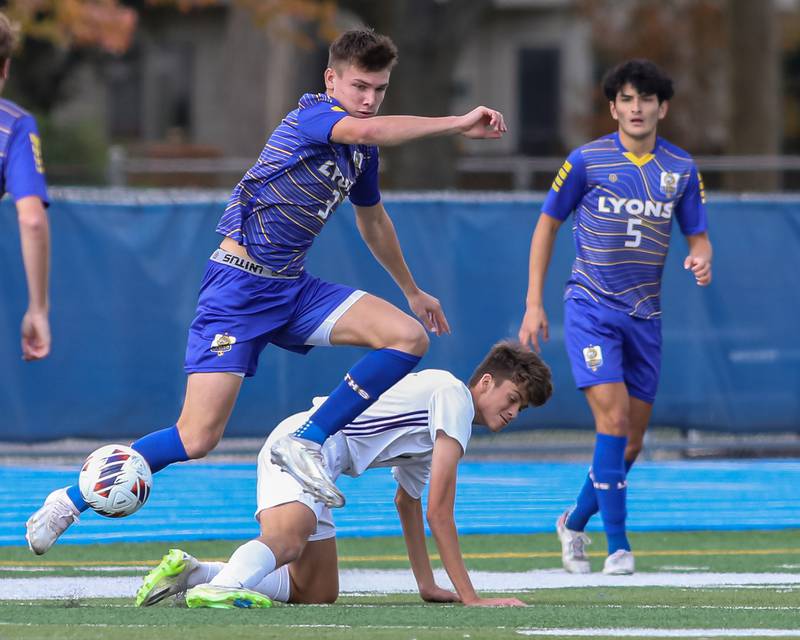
[[276, 487]]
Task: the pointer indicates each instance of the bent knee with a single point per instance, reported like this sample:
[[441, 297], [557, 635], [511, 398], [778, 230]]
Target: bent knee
[[614, 424], [286, 546], [409, 337], [292, 551], [199, 442]]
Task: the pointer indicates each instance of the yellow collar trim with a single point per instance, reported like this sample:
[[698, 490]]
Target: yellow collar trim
[[639, 161]]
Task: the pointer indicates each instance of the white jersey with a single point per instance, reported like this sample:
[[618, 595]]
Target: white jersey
[[397, 431]]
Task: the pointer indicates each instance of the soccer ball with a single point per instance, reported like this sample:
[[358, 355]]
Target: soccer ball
[[115, 480]]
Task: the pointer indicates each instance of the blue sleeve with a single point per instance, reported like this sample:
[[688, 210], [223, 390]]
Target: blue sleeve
[[316, 121], [691, 208], [567, 189], [365, 192], [24, 169]]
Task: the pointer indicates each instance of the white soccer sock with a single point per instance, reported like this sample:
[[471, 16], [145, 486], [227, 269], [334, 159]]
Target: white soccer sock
[[248, 565], [203, 573], [277, 585]]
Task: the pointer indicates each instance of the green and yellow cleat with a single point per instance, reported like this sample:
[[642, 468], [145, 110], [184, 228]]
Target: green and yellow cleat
[[169, 578], [214, 597]]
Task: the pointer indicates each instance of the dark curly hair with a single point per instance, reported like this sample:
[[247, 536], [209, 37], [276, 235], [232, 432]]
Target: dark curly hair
[[645, 76]]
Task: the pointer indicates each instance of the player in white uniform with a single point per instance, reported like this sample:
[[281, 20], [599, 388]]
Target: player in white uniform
[[420, 427]]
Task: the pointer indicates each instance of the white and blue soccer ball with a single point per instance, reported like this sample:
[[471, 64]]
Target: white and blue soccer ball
[[115, 481]]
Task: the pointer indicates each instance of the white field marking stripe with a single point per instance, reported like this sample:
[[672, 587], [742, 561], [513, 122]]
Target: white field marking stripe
[[722, 607], [665, 633], [402, 581]]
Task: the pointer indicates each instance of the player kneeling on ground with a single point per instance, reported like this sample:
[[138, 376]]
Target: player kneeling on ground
[[420, 427]]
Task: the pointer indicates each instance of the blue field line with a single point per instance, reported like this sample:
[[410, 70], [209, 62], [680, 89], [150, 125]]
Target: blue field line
[[207, 501]]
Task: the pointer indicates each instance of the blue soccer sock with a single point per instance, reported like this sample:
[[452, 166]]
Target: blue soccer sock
[[363, 385], [586, 503], [608, 471], [74, 494], [160, 449]]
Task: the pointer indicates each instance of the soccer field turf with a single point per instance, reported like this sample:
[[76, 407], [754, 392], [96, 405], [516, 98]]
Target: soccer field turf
[[727, 584]]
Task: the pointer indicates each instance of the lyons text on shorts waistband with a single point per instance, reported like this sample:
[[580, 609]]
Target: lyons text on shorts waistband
[[247, 265]]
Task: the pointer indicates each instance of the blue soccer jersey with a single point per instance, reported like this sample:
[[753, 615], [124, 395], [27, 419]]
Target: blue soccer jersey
[[624, 205], [22, 172], [283, 202]]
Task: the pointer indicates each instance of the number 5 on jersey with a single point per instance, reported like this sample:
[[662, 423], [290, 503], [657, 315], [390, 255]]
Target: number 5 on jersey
[[636, 234]]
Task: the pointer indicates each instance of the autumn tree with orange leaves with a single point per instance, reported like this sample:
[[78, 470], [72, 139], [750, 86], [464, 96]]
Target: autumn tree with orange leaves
[[109, 25]]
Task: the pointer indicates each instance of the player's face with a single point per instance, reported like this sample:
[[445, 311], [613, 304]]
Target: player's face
[[496, 405], [638, 114], [359, 92]]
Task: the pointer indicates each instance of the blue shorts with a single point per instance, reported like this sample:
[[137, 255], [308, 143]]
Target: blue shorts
[[239, 313], [606, 345]]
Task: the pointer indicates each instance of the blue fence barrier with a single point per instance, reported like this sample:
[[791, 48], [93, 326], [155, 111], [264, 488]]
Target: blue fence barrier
[[125, 275]]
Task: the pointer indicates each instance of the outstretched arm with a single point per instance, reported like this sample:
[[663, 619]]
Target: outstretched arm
[[481, 122], [34, 232], [410, 511], [441, 500], [378, 232]]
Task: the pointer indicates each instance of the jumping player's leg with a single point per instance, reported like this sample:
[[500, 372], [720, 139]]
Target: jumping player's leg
[[207, 407], [398, 342], [210, 398], [236, 314]]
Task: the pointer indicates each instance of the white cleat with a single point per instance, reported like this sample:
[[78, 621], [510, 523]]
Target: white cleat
[[573, 547], [45, 526], [619, 563], [302, 459]]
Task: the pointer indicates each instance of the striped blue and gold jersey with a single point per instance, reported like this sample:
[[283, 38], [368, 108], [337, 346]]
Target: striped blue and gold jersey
[[21, 166], [623, 206], [282, 203]]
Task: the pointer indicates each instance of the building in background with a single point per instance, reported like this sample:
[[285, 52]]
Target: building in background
[[211, 83]]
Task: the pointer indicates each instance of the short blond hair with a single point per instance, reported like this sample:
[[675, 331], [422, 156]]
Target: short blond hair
[[9, 37]]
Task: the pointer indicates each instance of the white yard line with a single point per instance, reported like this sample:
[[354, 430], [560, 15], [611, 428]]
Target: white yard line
[[358, 581]]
